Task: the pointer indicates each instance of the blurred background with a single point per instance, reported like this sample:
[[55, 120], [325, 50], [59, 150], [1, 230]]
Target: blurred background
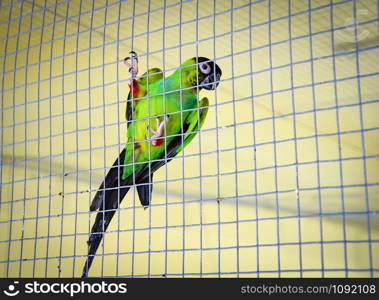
[[283, 179]]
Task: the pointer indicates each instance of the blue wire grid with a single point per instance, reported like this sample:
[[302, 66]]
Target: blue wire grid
[[282, 180]]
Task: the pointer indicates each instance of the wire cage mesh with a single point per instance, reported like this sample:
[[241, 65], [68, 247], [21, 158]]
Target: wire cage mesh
[[282, 180]]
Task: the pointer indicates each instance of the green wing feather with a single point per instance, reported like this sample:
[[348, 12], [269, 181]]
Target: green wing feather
[[193, 122], [176, 145], [155, 75]]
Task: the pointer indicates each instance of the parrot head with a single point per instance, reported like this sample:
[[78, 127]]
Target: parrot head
[[201, 72], [209, 73]]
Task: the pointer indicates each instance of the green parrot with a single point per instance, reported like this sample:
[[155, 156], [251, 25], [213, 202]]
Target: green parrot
[[163, 116]]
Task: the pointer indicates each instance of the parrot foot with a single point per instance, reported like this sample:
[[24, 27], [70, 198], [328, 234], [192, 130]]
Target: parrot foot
[[132, 63], [156, 138]]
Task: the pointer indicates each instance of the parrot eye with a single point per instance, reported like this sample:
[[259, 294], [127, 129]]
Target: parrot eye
[[205, 68]]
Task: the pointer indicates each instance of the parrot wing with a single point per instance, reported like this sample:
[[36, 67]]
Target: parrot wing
[[149, 77], [189, 130], [111, 179], [193, 122], [154, 75]]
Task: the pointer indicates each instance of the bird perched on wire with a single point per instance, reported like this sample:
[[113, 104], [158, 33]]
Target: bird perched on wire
[[164, 115]]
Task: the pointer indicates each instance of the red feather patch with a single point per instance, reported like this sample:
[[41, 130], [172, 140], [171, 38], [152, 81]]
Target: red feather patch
[[134, 88]]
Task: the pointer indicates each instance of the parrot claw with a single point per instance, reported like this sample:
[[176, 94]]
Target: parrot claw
[[132, 64], [157, 133], [149, 139]]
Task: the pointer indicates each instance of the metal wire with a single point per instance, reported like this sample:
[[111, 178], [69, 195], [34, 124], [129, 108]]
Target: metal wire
[[229, 211], [296, 156], [368, 220]]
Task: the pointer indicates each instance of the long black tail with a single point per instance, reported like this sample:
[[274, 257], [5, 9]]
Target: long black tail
[[113, 190], [108, 198]]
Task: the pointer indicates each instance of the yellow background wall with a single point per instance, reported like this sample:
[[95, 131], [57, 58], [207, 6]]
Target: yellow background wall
[[283, 180]]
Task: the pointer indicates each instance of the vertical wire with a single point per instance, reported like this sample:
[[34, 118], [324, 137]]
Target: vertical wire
[[13, 136], [77, 139], [235, 138], [335, 87], [316, 139], [90, 118], [104, 137], [253, 132], [149, 186], [118, 138], [368, 219], [182, 141], [217, 152], [274, 139], [133, 150], [14, 125], [26, 144], [38, 150], [199, 139], [2, 110], [344, 221], [165, 140], [296, 147], [63, 147], [50, 137]]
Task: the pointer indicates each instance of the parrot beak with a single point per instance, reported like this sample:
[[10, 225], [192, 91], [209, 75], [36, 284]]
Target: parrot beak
[[210, 82], [213, 79]]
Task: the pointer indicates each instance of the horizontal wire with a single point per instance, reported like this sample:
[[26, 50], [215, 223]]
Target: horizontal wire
[[305, 189], [173, 69], [347, 26], [180, 250], [218, 274], [163, 227], [211, 105], [83, 13], [304, 215], [236, 77], [30, 13], [215, 152], [188, 155]]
